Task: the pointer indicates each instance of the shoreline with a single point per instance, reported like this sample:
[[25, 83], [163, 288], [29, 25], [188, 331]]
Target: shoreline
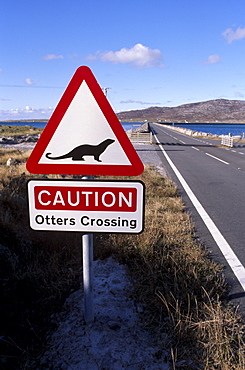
[[189, 132], [28, 141]]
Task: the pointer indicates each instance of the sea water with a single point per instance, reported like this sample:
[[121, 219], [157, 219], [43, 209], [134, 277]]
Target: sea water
[[218, 129], [126, 125]]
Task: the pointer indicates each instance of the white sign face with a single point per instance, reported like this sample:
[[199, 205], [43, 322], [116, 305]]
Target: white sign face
[[84, 112], [87, 206]]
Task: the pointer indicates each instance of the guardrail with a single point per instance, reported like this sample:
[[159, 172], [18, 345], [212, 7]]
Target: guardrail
[[227, 140], [140, 137]]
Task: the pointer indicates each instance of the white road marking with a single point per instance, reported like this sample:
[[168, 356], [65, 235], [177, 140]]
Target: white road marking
[[218, 159], [236, 266], [195, 148]]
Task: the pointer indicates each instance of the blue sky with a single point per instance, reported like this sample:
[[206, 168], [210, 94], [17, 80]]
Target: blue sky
[[157, 53]]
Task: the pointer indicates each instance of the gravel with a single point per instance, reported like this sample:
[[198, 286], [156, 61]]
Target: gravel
[[115, 340]]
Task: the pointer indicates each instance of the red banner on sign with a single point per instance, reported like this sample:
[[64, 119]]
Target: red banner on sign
[[93, 199]]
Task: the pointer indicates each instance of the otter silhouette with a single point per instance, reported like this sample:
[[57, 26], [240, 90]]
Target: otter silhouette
[[80, 151]]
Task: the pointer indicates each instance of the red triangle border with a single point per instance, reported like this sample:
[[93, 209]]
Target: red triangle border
[[84, 73]]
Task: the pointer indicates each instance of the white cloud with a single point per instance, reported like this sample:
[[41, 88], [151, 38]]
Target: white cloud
[[52, 57], [238, 94], [25, 113], [29, 81], [72, 56], [232, 35], [138, 102], [139, 55], [212, 59]]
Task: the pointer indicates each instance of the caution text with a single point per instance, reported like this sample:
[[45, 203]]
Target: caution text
[[90, 198]]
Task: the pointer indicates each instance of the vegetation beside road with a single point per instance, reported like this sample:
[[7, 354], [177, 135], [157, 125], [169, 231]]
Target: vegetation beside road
[[8, 130], [181, 289]]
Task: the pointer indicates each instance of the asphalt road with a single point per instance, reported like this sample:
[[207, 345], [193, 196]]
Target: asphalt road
[[211, 181]]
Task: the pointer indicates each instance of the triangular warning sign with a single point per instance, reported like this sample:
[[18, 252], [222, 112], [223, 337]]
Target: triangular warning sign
[[84, 135]]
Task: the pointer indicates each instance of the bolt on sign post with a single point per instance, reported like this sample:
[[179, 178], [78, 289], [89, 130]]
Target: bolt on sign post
[[84, 137]]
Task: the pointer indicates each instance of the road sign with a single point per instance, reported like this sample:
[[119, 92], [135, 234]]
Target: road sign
[[84, 135], [88, 206]]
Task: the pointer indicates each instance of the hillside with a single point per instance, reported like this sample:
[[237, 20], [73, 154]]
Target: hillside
[[218, 110]]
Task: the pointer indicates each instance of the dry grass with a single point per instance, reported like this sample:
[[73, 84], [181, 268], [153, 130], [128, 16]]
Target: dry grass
[[5, 154], [182, 290], [37, 271]]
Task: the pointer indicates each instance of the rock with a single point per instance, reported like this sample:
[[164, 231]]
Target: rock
[[12, 162], [116, 281], [190, 132], [30, 138], [22, 139], [113, 325]]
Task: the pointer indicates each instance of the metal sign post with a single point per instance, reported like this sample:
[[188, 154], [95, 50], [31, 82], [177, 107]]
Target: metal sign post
[[88, 278], [87, 247]]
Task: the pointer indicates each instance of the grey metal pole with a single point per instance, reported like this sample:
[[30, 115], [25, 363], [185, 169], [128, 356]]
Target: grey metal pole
[[88, 283], [87, 244]]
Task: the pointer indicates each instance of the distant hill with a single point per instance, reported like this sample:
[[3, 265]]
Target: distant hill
[[218, 110]]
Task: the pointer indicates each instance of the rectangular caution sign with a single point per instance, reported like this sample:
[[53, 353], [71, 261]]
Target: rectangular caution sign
[[105, 206]]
